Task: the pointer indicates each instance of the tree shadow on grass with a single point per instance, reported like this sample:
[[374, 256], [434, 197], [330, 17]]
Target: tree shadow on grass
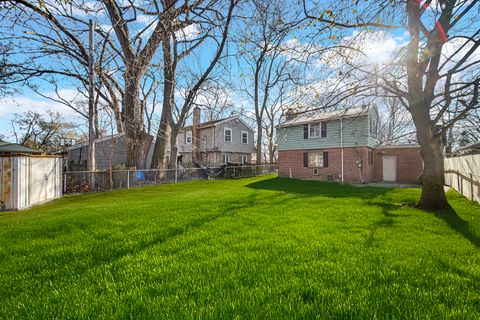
[[460, 225], [318, 188], [371, 196]]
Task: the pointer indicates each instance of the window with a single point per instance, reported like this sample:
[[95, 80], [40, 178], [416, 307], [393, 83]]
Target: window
[[315, 159], [226, 158], [227, 135], [373, 126], [244, 137], [370, 157], [187, 138], [315, 172], [243, 159], [316, 130]]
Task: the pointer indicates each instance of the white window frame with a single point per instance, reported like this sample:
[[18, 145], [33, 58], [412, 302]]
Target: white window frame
[[225, 134], [316, 132], [243, 159], [188, 134], [241, 137], [226, 158], [373, 126]]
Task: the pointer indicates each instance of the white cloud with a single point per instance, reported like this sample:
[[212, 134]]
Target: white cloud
[[190, 32], [454, 50], [20, 104]]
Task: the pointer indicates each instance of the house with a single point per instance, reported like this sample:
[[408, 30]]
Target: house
[[28, 177], [7, 148], [110, 152], [470, 149], [228, 140], [342, 146], [214, 142]]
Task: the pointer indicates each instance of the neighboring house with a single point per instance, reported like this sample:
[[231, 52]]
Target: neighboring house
[[110, 151], [228, 140], [473, 148], [342, 146], [7, 148]]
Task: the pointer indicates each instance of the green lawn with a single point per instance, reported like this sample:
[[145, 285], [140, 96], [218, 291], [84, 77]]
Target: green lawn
[[257, 248]]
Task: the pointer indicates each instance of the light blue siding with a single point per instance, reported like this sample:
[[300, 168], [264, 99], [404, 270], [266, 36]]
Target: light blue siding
[[355, 134]]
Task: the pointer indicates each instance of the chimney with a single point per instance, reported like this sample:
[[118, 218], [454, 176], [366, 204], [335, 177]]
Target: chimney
[[289, 115], [196, 156]]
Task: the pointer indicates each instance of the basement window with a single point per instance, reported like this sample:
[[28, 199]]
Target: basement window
[[315, 172]]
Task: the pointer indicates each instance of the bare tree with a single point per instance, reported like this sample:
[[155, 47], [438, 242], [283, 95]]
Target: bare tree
[[426, 78], [267, 59], [42, 131], [209, 18]]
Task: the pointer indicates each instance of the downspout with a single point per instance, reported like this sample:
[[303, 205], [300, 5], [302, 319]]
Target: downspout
[[213, 146], [341, 146]]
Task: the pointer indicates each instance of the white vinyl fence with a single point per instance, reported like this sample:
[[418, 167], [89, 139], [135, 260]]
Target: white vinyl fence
[[105, 180], [28, 180], [463, 174]]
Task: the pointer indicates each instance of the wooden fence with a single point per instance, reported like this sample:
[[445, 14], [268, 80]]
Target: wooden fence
[[463, 174]]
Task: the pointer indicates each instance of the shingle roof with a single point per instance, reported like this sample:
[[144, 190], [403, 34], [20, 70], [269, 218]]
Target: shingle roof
[[208, 124], [6, 147], [321, 115]]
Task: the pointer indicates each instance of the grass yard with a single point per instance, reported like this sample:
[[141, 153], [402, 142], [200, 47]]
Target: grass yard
[[258, 248]]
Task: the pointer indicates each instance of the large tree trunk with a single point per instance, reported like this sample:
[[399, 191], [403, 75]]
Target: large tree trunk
[[164, 131], [421, 85], [271, 151], [433, 179], [173, 148], [133, 118]]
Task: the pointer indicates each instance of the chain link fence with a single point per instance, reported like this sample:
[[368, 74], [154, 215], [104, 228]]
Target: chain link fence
[[106, 180]]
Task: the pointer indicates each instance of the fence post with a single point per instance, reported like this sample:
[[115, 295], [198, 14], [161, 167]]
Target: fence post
[[65, 183], [128, 179], [471, 186]]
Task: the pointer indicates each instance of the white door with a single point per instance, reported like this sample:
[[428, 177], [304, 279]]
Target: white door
[[389, 168]]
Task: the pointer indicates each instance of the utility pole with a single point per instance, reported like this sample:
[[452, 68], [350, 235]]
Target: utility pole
[[91, 109]]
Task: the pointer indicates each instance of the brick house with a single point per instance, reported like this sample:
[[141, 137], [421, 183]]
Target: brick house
[[342, 146]]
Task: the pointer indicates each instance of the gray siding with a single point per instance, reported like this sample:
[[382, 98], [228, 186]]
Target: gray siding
[[355, 133], [236, 144], [107, 150], [215, 140]]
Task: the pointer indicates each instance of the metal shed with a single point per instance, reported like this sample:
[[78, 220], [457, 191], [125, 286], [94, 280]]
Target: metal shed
[[27, 177]]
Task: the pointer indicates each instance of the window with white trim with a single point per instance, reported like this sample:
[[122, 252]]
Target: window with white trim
[[227, 135], [314, 130], [243, 159], [226, 158], [187, 138], [244, 137], [318, 129], [373, 126]]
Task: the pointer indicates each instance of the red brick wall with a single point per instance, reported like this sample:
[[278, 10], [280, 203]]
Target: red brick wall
[[409, 163], [292, 162]]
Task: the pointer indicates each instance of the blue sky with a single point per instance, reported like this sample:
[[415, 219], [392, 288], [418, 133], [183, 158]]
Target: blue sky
[[26, 99]]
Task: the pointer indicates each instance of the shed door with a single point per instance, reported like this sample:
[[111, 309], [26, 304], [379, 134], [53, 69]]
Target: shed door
[[389, 168]]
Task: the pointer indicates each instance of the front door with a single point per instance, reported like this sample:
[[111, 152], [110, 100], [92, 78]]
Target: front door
[[389, 168]]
